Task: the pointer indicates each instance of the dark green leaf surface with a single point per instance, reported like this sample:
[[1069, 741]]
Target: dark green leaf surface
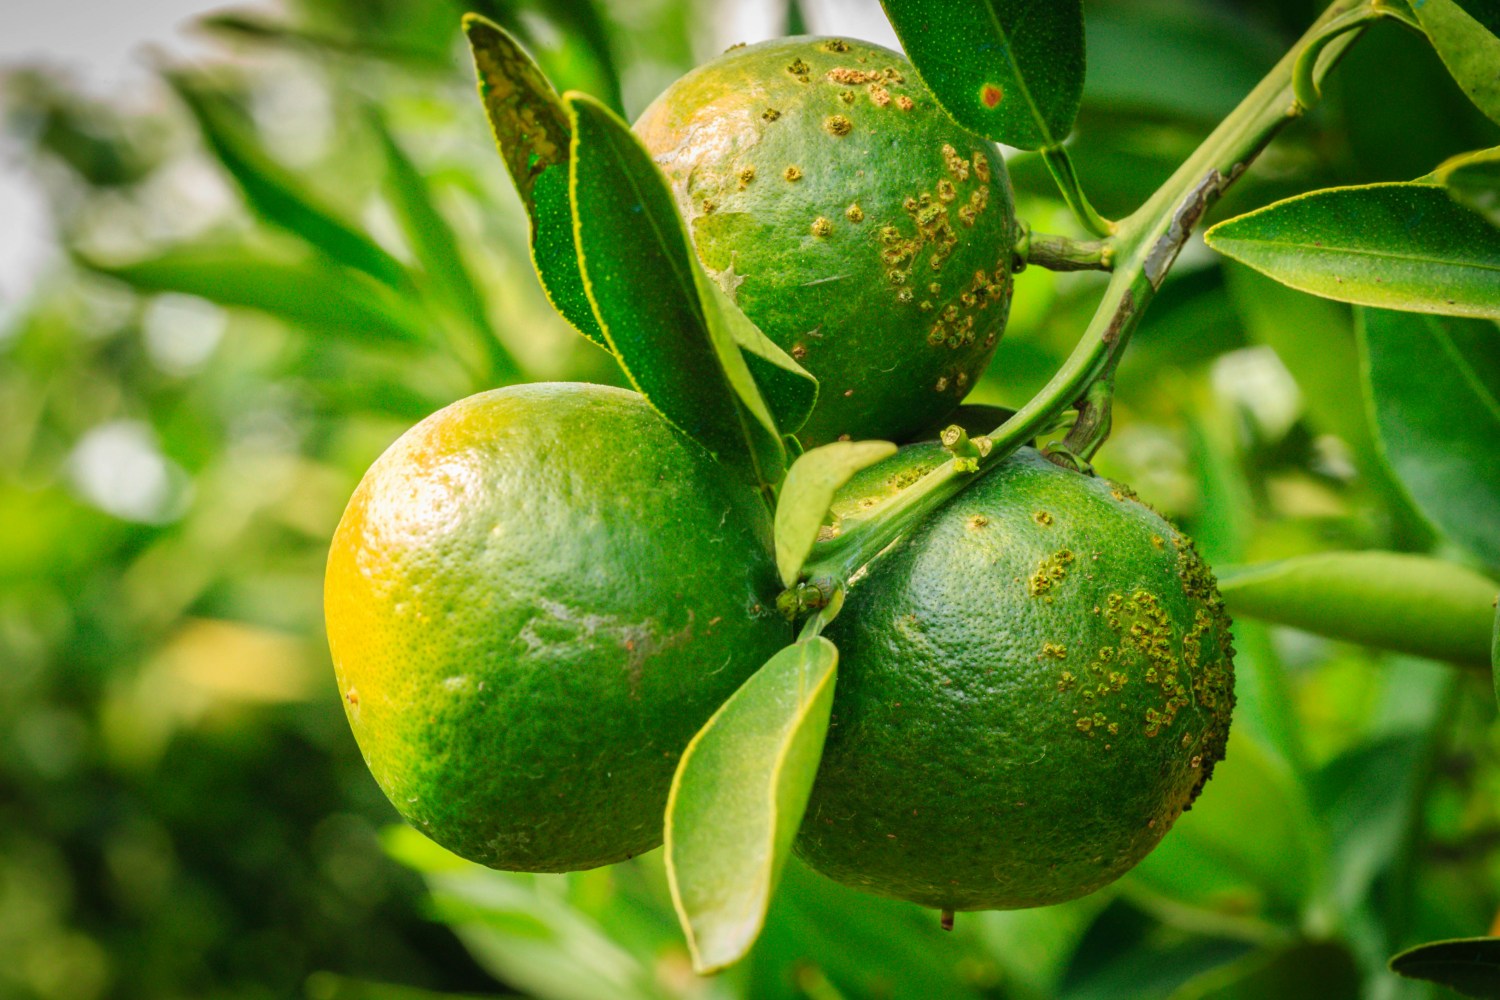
[[531, 129], [788, 390], [1388, 600], [1009, 70], [738, 798], [1495, 655], [1434, 385], [1399, 246], [347, 304], [653, 302], [1486, 12], [809, 488], [1314, 970], [275, 193], [1469, 49], [1470, 966], [1473, 180]]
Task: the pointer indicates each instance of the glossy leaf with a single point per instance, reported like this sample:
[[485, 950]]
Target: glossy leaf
[[1312, 970], [738, 798], [1473, 180], [1434, 386], [1400, 246], [1009, 70], [788, 390], [809, 488], [531, 129], [436, 246], [347, 305], [1469, 49], [1470, 966], [275, 193], [654, 303], [1407, 603]]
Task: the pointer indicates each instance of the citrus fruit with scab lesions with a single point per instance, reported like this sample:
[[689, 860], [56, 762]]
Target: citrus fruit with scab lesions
[[535, 597], [852, 220], [1034, 684]]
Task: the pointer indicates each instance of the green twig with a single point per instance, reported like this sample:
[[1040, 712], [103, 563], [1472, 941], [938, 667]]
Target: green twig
[[1059, 253], [1145, 246]]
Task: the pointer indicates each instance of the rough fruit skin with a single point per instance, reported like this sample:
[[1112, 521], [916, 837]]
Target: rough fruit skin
[[862, 229], [534, 599], [1033, 685]]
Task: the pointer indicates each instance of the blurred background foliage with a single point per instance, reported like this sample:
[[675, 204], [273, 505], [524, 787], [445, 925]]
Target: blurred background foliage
[[278, 254]]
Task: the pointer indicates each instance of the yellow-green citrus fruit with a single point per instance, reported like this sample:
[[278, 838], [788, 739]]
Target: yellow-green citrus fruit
[[862, 229], [1033, 685], [534, 599]]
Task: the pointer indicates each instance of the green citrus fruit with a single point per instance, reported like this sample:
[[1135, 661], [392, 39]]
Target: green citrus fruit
[[1033, 685], [534, 599], [862, 229]]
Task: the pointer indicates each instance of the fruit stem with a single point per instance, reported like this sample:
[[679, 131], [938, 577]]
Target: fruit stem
[[1060, 165], [1144, 248], [1060, 253]]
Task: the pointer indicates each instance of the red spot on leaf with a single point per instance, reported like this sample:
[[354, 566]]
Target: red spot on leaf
[[991, 94]]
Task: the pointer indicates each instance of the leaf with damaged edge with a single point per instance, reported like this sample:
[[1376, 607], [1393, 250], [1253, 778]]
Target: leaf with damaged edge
[[532, 132], [1010, 70], [807, 493], [1388, 600], [738, 799]]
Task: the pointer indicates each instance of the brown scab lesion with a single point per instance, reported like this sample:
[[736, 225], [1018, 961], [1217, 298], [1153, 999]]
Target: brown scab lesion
[[835, 45], [837, 125], [905, 103], [854, 213], [1043, 518], [745, 177], [792, 172], [770, 115], [1052, 570], [822, 227], [852, 77]]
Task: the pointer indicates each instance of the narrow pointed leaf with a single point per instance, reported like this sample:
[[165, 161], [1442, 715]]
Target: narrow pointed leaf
[[348, 305], [570, 39], [437, 247], [1010, 70], [1434, 392], [807, 493], [1473, 180], [1470, 966], [531, 129], [1469, 49], [738, 798], [788, 389], [654, 303], [1495, 653], [1398, 246], [1406, 603], [276, 194]]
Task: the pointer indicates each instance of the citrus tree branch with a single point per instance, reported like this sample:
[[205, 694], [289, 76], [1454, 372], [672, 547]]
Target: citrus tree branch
[[1144, 247]]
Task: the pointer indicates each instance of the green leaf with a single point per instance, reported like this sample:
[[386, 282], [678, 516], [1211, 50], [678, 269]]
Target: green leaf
[[787, 388], [1469, 49], [807, 493], [1389, 600], [570, 39], [531, 129], [275, 193], [1009, 70], [654, 303], [348, 305], [738, 798], [1473, 180], [1434, 389], [1470, 966], [1312, 970], [1495, 653], [1401, 246], [437, 247]]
